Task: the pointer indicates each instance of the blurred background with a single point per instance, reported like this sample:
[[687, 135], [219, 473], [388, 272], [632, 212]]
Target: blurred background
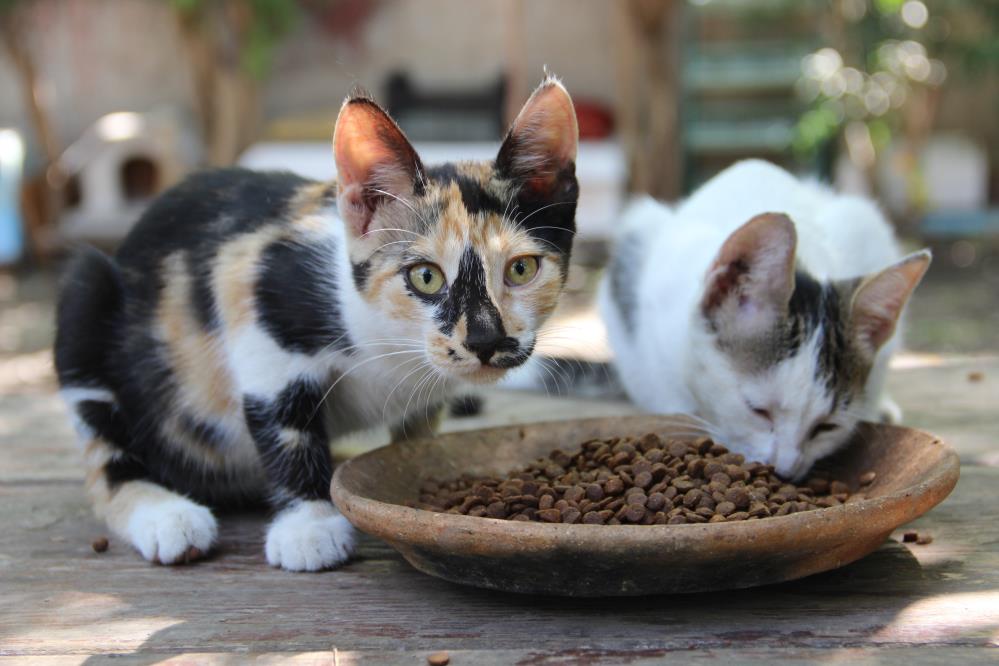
[[107, 102]]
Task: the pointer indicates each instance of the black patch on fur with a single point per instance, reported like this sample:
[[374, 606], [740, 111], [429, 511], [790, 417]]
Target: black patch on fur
[[360, 272], [467, 295], [296, 297], [548, 214], [817, 306], [202, 432], [105, 420], [107, 424], [303, 471], [475, 198], [122, 469], [88, 316], [546, 206], [202, 296], [465, 406]]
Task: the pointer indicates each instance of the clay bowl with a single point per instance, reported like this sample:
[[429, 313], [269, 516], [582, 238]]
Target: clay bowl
[[915, 471]]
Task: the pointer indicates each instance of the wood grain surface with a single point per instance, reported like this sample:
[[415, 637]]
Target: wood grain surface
[[62, 603]]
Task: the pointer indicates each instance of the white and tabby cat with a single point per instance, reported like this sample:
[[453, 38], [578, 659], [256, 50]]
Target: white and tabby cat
[[776, 331], [250, 318]]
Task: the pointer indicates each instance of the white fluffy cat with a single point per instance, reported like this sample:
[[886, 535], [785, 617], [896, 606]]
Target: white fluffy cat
[[765, 305]]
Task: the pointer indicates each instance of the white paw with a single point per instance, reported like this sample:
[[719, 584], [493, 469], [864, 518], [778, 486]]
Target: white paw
[[172, 531], [309, 536]]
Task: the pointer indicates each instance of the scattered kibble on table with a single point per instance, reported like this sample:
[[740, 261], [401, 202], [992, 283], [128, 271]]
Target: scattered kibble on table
[[439, 659]]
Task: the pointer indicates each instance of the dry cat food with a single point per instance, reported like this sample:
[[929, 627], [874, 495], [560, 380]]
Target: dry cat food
[[441, 658], [100, 544], [644, 481], [917, 538]]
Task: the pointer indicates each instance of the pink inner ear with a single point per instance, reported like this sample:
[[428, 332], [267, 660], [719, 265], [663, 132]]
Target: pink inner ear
[[372, 154], [878, 301], [756, 262], [367, 142], [545, 135], [725, 280]]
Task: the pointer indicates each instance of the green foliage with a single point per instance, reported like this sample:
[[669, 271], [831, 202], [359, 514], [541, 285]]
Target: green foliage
[[894, 54], [267, 23]]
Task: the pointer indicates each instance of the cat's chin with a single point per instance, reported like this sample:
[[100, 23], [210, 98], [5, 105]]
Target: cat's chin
[[485, 374]]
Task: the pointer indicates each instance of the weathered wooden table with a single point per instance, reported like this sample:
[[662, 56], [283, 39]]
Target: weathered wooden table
[[62, 603]]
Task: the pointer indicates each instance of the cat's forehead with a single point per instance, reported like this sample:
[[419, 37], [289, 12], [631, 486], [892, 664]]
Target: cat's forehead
[[466, 205], [813, 339], [473, 185]]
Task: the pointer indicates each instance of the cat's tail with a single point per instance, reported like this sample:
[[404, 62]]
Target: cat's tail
[[87, 318], [87, 314]]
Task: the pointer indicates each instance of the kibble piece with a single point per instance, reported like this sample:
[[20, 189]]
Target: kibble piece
[[725, 508], [682, 483], [634, 512], [100, 544], [867, 478], [924, 539], [910, 537], [614, 486], [818, 486], [738, 496], [441, 658], [571, 515], [643, 479], [593, 518], [838, 488], [550, 515], [677, 449], [594, 492], [655, 502]]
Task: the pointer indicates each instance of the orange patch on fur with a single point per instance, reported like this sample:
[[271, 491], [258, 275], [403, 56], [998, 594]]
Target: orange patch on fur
[[234, 276], [196, 357]]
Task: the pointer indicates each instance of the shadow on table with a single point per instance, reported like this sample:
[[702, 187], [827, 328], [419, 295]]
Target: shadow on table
[[378, 602]]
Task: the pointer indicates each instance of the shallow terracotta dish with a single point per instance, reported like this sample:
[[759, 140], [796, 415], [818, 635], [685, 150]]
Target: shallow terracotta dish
[[915, 471]]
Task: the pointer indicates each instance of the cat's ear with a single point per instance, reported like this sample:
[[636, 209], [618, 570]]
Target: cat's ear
[[374, 160], [750, 282], [539, 150], [879, 299]]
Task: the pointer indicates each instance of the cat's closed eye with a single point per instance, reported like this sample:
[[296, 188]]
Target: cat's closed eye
[[762, 413], [820, 428]]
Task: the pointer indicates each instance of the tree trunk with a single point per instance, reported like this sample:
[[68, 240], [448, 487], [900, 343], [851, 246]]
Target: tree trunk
[[226, 97], [649, 95]]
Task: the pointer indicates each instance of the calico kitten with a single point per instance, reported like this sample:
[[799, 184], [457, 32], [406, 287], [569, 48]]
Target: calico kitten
[[250, 318], [777, 331]]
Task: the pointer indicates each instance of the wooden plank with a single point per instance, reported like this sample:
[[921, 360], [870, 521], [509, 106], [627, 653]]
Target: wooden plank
[[61, 598], [944, 656]]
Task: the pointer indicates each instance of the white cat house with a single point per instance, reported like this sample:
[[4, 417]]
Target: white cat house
[[115, 169]]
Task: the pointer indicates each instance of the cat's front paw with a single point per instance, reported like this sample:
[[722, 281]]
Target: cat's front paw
[[174, 531], [309, 536]]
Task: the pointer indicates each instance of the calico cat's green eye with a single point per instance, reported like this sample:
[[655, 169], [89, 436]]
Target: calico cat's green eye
[[521, 270], [426, 278]]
